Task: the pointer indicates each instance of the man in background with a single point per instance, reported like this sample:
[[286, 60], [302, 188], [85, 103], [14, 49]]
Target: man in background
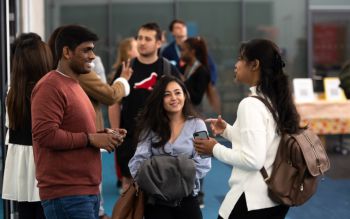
[[172, 52], [148, 67]]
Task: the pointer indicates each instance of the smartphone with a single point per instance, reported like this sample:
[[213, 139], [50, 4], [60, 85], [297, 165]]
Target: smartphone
[[202, 135]]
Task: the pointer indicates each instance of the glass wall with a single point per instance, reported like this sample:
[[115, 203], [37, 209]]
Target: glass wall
[[285, 23], [219, 23], [128, 17], [111, 20], [223, 23]]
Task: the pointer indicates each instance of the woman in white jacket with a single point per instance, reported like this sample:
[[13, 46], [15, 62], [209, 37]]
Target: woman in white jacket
[[255, 135]]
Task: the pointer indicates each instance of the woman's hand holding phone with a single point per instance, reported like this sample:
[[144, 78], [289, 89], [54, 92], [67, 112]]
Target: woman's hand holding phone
[[203, 144]]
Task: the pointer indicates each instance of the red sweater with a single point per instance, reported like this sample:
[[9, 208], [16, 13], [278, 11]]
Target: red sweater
[[62, 114]]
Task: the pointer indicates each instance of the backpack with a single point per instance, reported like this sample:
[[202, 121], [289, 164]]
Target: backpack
[[166, 69], [300, 160], [344, 77], [166, 65]]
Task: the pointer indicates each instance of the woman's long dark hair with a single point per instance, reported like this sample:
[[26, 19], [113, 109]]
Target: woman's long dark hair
[[273, 83], [199, 46], [52, 45], [31, 60], [153, 117]]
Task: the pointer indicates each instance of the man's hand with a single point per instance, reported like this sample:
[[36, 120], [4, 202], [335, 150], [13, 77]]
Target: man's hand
[[107, 141], [119, 133]]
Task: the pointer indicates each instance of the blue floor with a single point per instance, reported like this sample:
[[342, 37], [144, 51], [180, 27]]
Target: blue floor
[[332, 201]]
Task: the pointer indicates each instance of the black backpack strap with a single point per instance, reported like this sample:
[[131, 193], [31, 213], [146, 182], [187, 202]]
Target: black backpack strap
[[166, 66]]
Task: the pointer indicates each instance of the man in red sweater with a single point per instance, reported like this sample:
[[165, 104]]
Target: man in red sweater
[[66, 145]]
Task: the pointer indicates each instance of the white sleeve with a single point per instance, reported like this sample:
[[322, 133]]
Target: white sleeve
[[250, 154], [125, 83], [228, 132]]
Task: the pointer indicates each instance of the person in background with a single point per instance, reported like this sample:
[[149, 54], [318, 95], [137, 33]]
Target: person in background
[[194, 54], [148, 68], [127, 50], [31, 59], [164, 42], [256, 133], [95, 86], [99, 69], [172, 52], [197, 77], [66, 143], [166, 126]]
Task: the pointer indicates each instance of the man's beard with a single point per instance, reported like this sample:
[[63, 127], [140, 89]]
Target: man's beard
[[147, 54], [78, 69]]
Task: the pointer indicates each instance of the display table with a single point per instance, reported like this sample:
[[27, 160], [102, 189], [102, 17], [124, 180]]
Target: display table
[[326, 118]]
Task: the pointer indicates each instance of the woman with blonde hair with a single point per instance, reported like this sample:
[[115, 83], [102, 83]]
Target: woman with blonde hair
[[126, 50]]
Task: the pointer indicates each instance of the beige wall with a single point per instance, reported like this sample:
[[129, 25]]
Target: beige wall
[[31, 16]]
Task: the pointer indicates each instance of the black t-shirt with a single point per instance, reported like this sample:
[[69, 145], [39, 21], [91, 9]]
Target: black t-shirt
[[23, 135], [197, 84], [141, 83]]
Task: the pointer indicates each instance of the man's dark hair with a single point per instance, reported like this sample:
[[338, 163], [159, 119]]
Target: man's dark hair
[[72, 36], [153, 26], [176, 21]]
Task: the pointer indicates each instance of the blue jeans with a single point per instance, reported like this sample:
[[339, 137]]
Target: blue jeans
[[72, 207]]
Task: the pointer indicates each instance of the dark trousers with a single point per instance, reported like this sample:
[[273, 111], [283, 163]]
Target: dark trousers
[[240, 211], [30, 210], [188, 209]]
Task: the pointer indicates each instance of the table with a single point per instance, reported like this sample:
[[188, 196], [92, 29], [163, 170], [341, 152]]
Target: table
[[326, 118]]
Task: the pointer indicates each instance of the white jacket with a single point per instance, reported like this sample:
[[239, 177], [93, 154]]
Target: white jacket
[[254, 145]]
